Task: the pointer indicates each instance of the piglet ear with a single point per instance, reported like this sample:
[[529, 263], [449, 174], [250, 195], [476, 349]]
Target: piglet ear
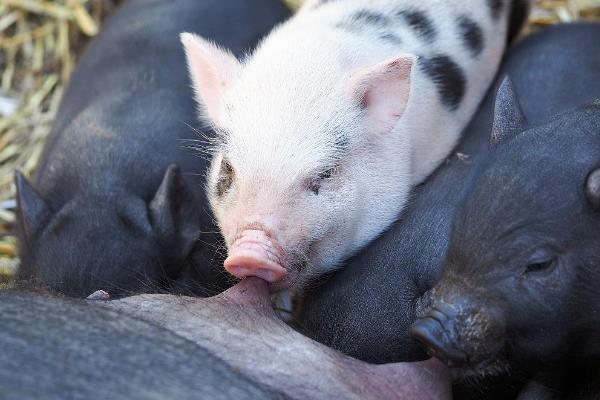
[[173, 212], [383, 91], [32, 210], [509, 120], [212, 70], [592, 188]]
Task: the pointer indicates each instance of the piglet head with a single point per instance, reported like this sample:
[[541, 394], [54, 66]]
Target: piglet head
[[119, 242], [519, 286], [462, 327], [301, 172]]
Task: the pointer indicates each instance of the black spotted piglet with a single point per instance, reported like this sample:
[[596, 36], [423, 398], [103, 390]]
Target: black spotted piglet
[[327, 126]]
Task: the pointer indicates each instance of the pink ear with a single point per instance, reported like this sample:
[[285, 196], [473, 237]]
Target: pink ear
[[212, 69], [383, 90]]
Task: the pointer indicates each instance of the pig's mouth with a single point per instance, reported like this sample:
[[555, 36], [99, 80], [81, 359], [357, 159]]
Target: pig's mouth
[[255, 253], [461, 347], [434, 334]]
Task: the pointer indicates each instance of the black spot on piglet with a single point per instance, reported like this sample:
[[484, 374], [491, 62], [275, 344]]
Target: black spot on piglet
[[370, 18], [390, 38], [360, 20], [472, 35], [495, 7], [420, 23], [448, 77]]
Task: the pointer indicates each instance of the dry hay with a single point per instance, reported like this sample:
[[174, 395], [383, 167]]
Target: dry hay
[[40, 41]]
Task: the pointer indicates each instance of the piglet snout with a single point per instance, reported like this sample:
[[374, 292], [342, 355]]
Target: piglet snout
[[254, 254]]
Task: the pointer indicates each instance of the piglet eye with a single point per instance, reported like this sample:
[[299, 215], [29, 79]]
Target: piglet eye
[[226, 176], [540, 267], [327, 173], [314, 184]]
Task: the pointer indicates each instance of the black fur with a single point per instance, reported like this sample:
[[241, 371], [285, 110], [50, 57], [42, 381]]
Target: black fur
[[518, 17], [448, 77], [524, 248], [366, 308], [495, 7], [472, 35], [364, 20], [370, 18], [342, 142], [420, 23], [107, 208], [391, 38]]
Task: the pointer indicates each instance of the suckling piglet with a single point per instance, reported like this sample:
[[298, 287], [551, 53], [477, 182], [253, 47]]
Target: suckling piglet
[[325, 128]]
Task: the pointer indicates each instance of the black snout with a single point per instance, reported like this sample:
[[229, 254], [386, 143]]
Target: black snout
[[434, 336]]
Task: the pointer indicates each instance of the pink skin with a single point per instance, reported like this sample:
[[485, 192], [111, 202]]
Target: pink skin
[[261, 234], [254, 254], [240, 327], [274, 229], [262, 225]]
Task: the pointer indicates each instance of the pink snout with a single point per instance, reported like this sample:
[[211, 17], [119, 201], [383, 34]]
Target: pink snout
[[254, 254]]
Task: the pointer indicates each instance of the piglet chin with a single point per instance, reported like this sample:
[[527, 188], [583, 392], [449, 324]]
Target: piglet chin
[[254, 254]]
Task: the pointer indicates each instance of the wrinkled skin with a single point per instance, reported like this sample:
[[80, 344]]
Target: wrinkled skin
[[232, 346], [108, 207], [55, 348], [520, 283], [240, 327]]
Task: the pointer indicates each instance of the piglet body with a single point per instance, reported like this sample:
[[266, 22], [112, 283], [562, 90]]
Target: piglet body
[[232, 346], [327, 126], [519, 288], [240, 327], [116, 202]]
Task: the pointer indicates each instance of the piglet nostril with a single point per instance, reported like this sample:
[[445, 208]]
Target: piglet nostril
[[243, 266], [427, 331], [254, 254], [431, 334]]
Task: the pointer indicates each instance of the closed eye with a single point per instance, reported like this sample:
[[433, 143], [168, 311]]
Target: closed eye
[[314, 184], [539, 268], [328, 173]]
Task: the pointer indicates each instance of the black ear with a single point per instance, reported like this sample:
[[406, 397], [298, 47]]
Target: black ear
[[508, 117], [592, 188], [173, 212], [32, 210]]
